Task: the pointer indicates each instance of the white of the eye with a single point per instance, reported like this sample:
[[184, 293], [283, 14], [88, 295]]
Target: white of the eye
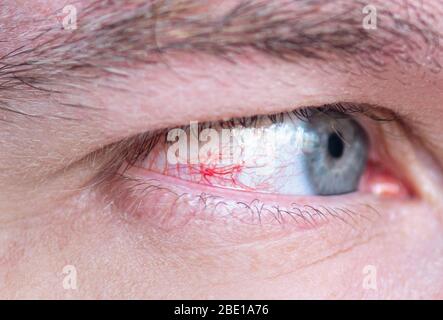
[[274, 156]]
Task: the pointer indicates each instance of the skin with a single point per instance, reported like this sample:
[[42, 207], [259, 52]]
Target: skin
[[50, 221]]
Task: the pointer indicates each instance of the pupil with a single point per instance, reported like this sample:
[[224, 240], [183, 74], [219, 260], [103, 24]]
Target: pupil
[[335, 146]]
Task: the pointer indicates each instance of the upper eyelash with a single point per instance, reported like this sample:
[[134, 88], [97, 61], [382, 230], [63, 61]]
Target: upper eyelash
[[126, 153], [334, 110]]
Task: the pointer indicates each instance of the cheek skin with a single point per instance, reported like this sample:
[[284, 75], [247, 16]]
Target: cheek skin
[[114, 260]]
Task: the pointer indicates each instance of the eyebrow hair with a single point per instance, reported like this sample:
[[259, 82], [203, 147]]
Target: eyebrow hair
[[114, 35]]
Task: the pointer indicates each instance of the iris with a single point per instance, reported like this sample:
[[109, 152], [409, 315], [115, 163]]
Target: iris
[[339, 158]]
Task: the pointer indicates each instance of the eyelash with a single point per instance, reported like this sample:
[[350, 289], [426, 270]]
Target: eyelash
[[132, 195]]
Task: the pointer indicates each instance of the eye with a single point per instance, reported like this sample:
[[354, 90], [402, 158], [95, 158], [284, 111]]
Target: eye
[[307, 152], [297, 168], [337, 162]]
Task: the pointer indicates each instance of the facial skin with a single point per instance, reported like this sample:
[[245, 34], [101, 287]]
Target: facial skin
[[75, 93]]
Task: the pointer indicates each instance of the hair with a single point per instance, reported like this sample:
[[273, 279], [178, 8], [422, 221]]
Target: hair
[[116, 35]]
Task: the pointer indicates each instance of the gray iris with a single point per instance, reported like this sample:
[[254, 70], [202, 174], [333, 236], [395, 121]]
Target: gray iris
[[337, 161]]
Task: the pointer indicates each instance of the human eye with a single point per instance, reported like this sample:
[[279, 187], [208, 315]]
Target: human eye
[[309, 151], [297, 153], [301, 168]]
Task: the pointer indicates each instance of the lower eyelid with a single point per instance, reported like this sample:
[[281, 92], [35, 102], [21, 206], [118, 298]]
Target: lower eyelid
[[187, 221], [172, 206]]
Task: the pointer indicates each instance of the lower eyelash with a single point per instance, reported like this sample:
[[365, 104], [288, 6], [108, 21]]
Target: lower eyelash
[[147, 199]]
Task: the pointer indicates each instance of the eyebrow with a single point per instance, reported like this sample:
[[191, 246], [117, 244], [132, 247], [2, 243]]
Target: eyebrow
[[113, 36]]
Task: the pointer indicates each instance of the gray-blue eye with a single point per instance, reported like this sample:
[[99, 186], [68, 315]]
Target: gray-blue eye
[[338, 158], [322, 153]]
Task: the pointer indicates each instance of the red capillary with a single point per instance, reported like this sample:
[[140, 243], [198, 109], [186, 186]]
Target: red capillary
[[218, 175], [381, 182]]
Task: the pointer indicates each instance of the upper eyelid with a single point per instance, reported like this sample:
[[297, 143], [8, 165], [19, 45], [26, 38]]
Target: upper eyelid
[[370, 111]]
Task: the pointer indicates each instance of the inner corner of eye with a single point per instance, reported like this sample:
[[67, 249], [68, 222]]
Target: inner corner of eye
[[282, 154], [379, 180]]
